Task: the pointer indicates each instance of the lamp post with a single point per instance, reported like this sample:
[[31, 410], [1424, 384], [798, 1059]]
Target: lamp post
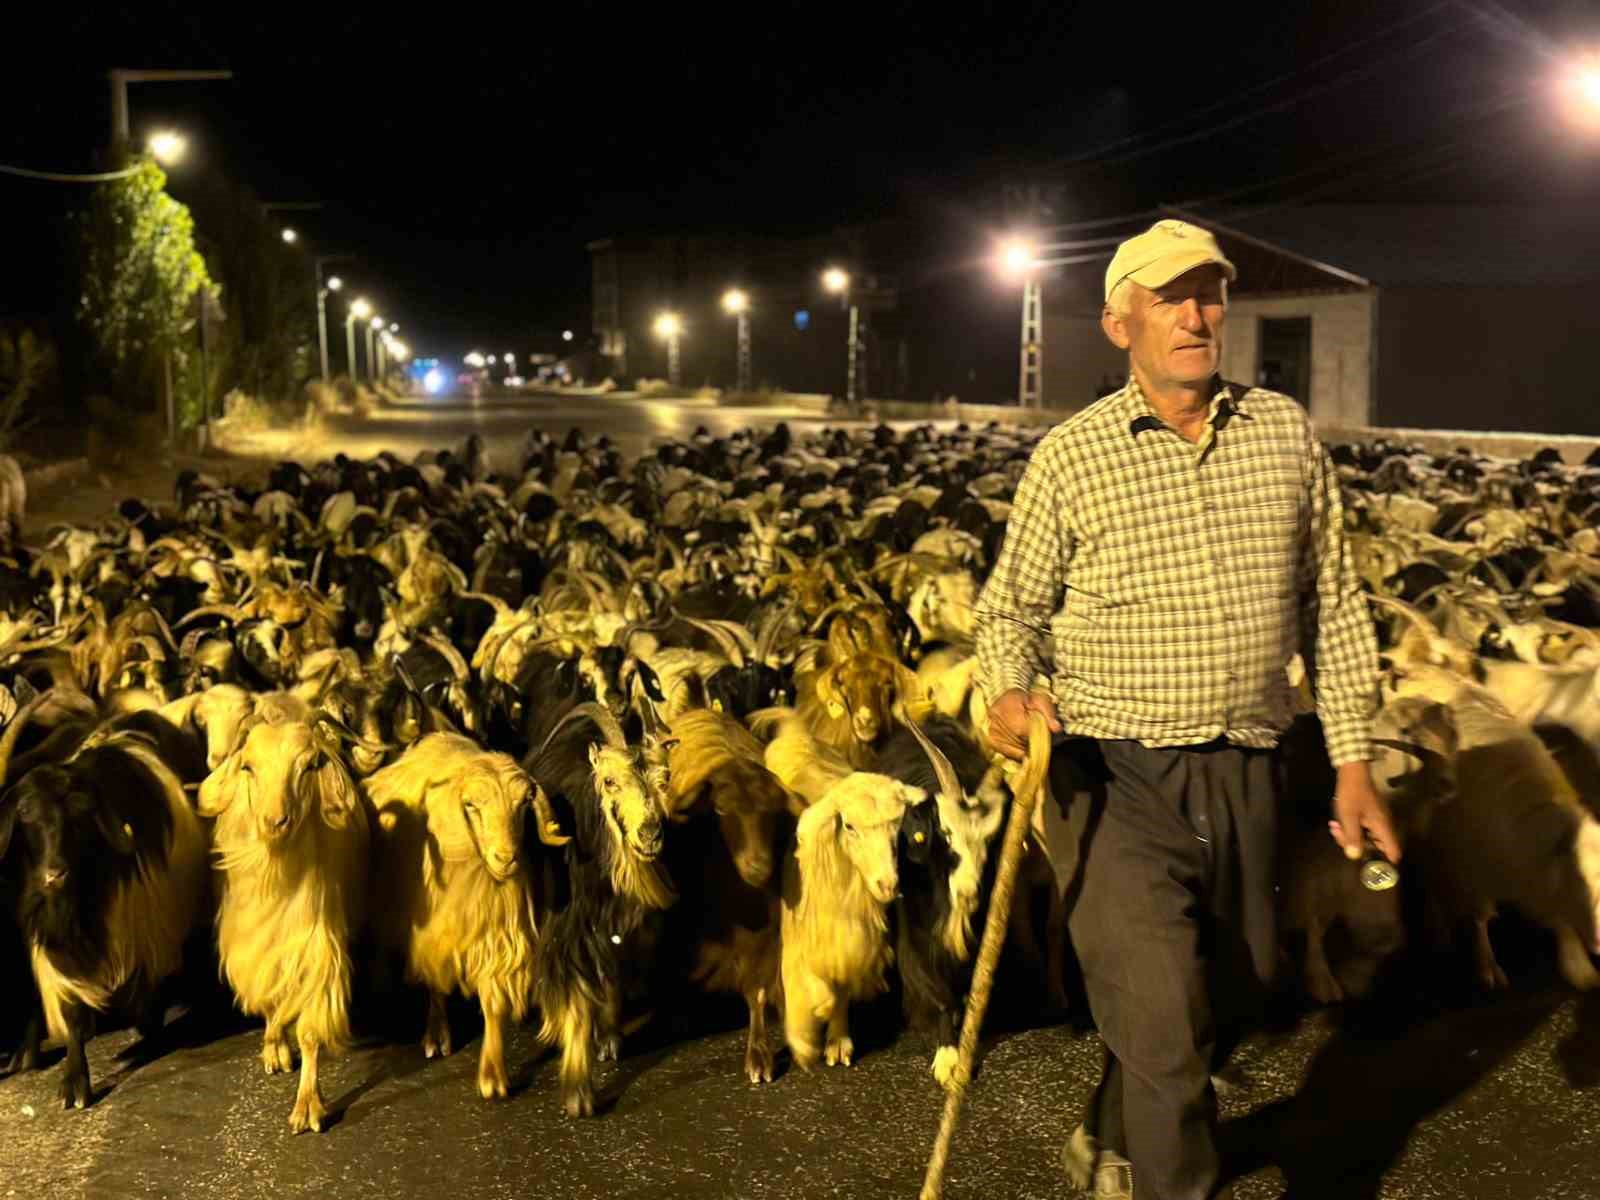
[[360, 310], [372, 363], [333, 285], [670, 328], [735, 301], [837, 281], [1019, 259], [120, 78]]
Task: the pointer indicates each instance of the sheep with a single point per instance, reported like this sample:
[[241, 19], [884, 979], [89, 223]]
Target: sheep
[[837, 887], [453, 888], [291, 842], [113, 859], [614, 882]]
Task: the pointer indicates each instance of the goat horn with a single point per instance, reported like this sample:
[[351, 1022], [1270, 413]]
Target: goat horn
[[8, 743], [446, 648], [949, 783], [600, 715], [1430, 758], [545, 814], [729, 644], [316, 565], [232, 611], [498, 603]]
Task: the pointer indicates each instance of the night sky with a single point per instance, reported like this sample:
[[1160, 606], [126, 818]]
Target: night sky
[[467, 154]]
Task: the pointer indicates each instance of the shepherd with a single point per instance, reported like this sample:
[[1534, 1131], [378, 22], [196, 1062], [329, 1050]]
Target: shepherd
[[1171, 548]]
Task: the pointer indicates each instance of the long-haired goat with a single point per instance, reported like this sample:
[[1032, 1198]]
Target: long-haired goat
[[727, 918], [454, 891], [837, 887], [292, 841], [943, 850], [614, 882], [113, 859]]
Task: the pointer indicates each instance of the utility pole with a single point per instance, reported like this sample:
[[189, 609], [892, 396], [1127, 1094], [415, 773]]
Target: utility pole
[[744, 353], [855, 384], [1031, 393]]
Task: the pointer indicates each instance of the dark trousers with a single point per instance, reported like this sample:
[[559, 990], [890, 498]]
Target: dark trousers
[[1166, 858]]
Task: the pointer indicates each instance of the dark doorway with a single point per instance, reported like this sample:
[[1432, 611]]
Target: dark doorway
[[1285, 363]]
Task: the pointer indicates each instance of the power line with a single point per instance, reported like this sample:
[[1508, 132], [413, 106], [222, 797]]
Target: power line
[[1264, 85], [62, 177]]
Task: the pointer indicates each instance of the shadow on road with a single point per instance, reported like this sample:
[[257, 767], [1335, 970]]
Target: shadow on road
[[1363, 1096]]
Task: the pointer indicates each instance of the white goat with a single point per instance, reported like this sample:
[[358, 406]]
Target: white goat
[[453, 890], [292, 841], [836, 891]]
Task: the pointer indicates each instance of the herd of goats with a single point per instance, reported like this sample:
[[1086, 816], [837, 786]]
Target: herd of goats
[[592, 735]]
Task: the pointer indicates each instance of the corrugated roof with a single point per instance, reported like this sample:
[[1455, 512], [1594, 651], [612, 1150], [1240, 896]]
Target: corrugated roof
[[1445, 245]]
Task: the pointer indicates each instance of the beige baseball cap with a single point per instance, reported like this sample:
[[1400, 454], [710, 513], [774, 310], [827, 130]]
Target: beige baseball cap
[[1163, 252]]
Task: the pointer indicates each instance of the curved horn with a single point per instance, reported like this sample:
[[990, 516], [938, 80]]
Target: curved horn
[[231, 611], [316, 566], [549, 828], [731, 650], [600, 715], [949, 783], [451, 655], [498, 603], [8, 743]]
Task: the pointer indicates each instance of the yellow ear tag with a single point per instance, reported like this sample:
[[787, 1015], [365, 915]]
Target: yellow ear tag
[[716, 706], [127, 829], [919, 837], [835, 709]]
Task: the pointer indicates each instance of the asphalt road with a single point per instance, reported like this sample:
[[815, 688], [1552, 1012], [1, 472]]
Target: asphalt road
[[1492, 1098]]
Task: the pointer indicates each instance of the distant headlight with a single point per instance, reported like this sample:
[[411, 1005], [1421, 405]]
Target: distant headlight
[[434, 381]]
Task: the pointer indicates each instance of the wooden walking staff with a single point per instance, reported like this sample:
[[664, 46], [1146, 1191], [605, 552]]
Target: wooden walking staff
[[1025, 794]]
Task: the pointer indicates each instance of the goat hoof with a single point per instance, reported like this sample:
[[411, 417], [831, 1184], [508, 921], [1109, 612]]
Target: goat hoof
[[839, 1053], [945, 1059], [1492, 978], [758, 1065], [276, 1056], [610, 1049], [75, 1090], [580, 1103], [307, 1113], [436, 1042], [492, 1081], [1323, 987]]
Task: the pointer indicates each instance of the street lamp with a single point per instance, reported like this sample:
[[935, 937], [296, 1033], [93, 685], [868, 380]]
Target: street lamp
[[360, 310], [566, 335], [166, 147], [290, 236], [736, 302], [333, 285], [120, 78], [670, 329], [837, 281], [1018, 258]]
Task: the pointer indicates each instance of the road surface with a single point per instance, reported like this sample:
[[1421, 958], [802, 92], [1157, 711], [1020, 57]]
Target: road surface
[[1486, 1098]]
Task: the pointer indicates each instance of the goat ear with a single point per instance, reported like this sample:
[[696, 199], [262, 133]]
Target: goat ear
[[218, 789], [594, 753], [336, 796], [8, 825], [811, 823], [828, 692]]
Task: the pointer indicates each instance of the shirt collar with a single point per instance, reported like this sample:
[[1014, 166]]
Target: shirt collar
[[1224, 407]]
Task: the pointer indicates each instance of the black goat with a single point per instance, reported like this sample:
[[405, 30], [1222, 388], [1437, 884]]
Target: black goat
[[112, 864]]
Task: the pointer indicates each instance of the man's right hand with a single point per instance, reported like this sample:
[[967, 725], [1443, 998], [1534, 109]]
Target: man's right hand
[[1008, 720]]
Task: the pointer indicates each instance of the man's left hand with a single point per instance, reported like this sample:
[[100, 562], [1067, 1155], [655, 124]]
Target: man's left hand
[[1358, 810]]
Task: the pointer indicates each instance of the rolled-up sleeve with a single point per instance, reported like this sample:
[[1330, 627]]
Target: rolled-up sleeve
[[1024, 589], [1336, 620]]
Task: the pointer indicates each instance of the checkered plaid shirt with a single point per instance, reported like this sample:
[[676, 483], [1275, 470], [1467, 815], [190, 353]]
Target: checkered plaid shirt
[[1176, 580]]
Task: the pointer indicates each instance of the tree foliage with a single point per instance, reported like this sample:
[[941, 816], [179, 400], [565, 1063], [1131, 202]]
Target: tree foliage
[[139, 273]]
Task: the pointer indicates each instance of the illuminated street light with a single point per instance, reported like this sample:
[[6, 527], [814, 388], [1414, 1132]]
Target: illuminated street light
[[167, 147], [566, 335], [837, 281], [493, 358], [1016, 256], [670, 328], [377, 322], [359, 311], [290, 236], [737, 302], [335, 283]]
